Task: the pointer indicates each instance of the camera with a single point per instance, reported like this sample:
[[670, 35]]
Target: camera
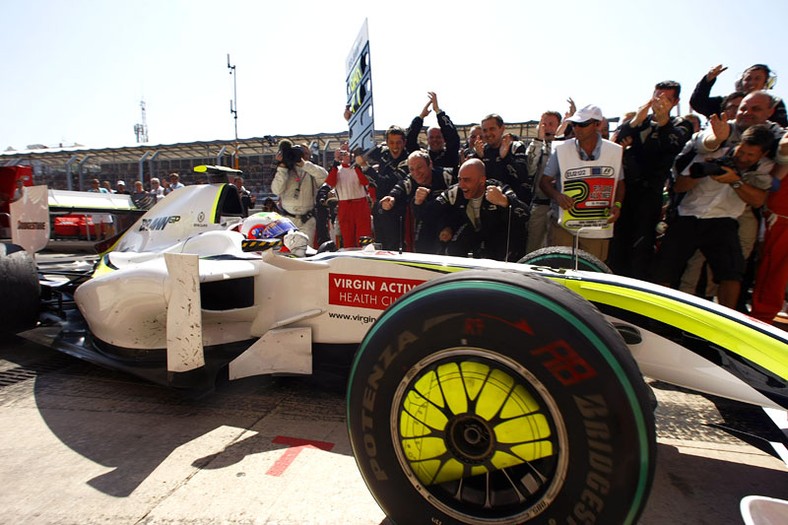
[[291, 154], [698, 170]]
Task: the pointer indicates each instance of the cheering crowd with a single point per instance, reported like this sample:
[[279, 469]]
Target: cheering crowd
[[660, 199]]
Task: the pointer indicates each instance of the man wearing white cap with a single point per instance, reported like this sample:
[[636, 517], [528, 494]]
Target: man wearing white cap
[[583, 180]]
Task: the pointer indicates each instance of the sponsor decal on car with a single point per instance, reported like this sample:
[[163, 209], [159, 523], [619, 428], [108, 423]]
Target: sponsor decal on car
[[30, 225], [365, 291], [158, 223]]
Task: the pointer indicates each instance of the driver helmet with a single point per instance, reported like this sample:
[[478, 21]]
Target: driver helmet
[[267, 225], [271, 225]]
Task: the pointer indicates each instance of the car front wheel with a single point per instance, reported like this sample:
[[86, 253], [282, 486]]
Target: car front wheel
[[497, 397]]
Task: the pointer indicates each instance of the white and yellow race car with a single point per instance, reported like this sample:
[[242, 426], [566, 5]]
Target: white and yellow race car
[[479, 391]]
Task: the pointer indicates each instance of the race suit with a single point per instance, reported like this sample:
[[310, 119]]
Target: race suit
[[449, 157], [389, 226], [353, 192]]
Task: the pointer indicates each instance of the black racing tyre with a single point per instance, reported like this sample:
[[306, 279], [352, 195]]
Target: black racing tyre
[[500, 398], [19, 289], [562, 257]]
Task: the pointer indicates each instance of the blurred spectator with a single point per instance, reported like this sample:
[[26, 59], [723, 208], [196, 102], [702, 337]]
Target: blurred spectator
[[175, 182], [564, 131], [730, 104], [772, 277], [95, 187], [156, 189], [652, 139], [104, 220], [538, 152], [326, 216], [141, 199], [19, 191], [417, 193], [107, 186], [693, 119], [595, 168], [716, 195], [443, 141], [755, 78], [120, 188], [269, 205], [478, 214], [468, 149], [474, 134], [306, 152], [604, 129], [248, 199]]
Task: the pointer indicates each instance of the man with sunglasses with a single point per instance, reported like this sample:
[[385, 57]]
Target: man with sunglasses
[[652, 139], [583, 180]]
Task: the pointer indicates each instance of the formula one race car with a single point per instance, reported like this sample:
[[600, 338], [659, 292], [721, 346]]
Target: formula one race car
[[479, 391]]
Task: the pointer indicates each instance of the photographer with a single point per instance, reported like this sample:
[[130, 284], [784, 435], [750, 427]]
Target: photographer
[[755, 108], [716, 193], [296, 183]]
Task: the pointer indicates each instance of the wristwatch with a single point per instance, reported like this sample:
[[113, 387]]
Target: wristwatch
[[736, 185]]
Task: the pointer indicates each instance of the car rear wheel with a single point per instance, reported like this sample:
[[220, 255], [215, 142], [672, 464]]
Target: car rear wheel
[[563, 257], [500, 398], [19, 289]]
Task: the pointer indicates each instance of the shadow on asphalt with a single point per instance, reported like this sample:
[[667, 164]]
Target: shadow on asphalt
[[132, 426]]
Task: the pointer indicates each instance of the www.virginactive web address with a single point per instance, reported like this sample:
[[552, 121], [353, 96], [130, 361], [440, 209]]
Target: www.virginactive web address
[[363, 319]]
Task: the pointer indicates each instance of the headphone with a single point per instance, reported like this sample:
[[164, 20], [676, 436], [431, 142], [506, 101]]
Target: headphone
[[771, 78]]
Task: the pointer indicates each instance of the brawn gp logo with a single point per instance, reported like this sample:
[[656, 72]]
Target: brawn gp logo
[[158, 223]]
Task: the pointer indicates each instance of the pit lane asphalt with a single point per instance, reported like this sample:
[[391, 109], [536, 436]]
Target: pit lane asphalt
[[84, 445]]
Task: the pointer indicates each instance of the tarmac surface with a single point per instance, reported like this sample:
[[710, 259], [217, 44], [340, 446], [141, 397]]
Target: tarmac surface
[[84, 445]]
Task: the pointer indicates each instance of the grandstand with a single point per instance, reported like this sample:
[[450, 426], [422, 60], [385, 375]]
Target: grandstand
[[72, 168]]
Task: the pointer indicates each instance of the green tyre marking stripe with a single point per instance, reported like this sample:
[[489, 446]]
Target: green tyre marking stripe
[[640, 492]]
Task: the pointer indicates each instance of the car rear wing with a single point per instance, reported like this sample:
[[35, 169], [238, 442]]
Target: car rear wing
[[30, 215]]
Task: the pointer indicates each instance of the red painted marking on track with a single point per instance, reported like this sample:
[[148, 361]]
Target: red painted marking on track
[[296, 445]]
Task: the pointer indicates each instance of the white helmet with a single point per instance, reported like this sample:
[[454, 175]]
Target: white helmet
[[266, 225], [271, 225]]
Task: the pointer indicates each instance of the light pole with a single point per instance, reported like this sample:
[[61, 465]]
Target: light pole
[[234, 108]]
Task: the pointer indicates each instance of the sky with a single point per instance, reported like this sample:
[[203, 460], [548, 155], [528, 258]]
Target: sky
[[76, 71]]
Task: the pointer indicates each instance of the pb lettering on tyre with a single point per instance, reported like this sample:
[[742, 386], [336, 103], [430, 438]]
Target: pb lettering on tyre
[[497, 397]]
